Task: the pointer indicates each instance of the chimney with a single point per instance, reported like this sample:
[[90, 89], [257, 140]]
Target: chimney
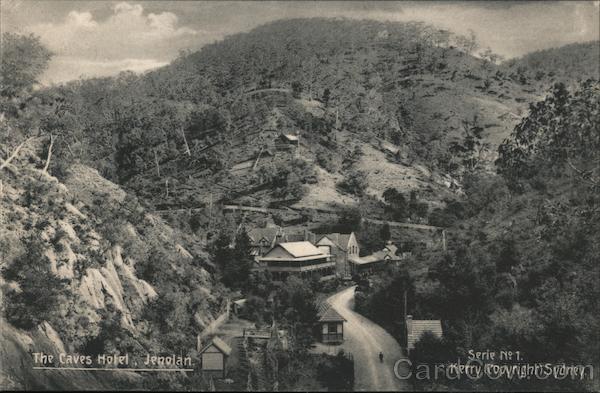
[[198, 343], [409, 324]]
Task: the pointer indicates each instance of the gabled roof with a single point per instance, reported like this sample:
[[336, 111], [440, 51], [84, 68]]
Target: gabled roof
[[301, 249], [392, 247], [327, 313], [339, 239], [256, 234], [419, 327], [219, 344]]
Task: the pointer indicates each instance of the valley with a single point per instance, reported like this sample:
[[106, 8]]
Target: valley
[[281, 207]]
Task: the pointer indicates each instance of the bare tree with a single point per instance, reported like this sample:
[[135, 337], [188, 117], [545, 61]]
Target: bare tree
[[45, 170], [6, 163]]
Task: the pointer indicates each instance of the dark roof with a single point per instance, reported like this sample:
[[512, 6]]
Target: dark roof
[[256, 234], [339, 239], [327, 313], [300, 235]]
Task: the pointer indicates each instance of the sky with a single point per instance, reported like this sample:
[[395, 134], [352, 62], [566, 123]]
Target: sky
[[99, 38]]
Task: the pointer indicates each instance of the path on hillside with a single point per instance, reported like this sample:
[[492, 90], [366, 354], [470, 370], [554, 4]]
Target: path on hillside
[[365, 339]]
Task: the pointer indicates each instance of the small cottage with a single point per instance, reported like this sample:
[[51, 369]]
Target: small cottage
[[331, 325], [287, 141], [417, 327], [214, 358]]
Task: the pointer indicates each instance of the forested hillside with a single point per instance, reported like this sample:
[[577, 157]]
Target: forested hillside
[[567, 64], [408, 94], [85, 268], [521, 270]]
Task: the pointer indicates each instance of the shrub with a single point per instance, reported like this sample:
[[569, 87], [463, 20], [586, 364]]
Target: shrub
[[41, 292], [337, 372], [355, 183]]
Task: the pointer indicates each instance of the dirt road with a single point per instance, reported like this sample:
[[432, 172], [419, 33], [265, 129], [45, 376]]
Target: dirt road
[[365, 339]]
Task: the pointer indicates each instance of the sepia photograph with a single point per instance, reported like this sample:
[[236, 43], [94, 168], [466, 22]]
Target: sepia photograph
[[302, 196]]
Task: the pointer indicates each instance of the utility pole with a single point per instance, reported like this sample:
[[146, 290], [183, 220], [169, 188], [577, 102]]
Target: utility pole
[[405, 313], [405, 302]]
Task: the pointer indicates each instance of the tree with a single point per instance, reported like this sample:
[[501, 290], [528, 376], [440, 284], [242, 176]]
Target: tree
[[326, 96], [508, 256], [431, 350], [354, 183], [23, 60], [398, 206], [337, 373], [490, 58], [470, 149], [468, 43], [234, 260], [560, 135], [296, 89], [385, 232], [40, 293]]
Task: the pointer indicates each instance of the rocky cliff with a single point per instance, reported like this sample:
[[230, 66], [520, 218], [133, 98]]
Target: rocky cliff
[[94, 242]]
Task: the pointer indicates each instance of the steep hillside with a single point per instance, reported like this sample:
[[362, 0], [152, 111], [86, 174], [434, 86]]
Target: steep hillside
[[205, 128], [85, 269], [521, 265]]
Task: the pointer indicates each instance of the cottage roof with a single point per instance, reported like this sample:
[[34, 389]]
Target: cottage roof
[[327, 313], [419, 327], [301, 249], [219, 344]]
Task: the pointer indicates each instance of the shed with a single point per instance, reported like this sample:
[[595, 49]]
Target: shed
[[214, 357], [287, 140]]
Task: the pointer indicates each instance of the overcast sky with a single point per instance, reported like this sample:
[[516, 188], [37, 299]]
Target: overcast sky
[[93, 38]]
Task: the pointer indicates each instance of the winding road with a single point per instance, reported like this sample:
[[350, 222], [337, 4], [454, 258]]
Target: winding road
[[365, 339]]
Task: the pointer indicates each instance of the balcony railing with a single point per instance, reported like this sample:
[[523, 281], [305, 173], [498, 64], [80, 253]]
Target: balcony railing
[[332, 337]]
